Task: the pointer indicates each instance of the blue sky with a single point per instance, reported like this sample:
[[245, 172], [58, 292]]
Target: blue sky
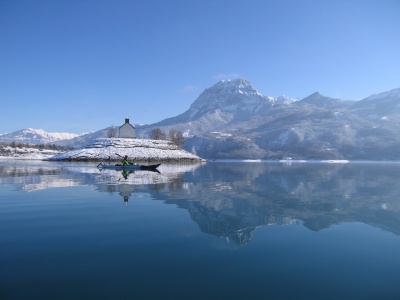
[[78, 66]]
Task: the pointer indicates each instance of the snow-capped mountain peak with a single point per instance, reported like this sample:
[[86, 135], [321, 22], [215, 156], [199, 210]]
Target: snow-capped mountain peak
[[36, 136], [226, 102], [229, 96], [240, 85]]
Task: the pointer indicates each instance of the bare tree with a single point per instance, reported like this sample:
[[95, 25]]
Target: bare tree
[[176, 137], [112, 132], [157, 134]]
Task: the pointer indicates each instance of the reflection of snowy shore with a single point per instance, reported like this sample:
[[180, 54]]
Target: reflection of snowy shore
[[39, 182], [48, 183], [48, 175], [165, 174], [34, 176]]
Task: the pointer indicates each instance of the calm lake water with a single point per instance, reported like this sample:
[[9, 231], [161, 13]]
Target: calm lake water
[[220, 230]]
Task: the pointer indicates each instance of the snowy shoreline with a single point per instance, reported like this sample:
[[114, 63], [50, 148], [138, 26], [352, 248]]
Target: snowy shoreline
[[26, 153]]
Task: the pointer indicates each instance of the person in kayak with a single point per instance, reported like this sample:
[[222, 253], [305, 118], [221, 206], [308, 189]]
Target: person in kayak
[[125, 161]]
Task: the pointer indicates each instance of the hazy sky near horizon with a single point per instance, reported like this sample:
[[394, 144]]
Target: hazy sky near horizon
[[78, 66]]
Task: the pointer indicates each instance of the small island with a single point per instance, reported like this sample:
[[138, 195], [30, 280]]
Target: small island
[[137, 150], [113, 149]]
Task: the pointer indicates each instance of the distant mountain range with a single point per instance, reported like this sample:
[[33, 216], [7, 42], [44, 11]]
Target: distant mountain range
[[35, 136], [232, 120]]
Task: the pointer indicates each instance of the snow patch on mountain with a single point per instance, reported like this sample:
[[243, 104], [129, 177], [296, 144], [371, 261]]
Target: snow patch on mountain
[[218, 134], [339, 115]]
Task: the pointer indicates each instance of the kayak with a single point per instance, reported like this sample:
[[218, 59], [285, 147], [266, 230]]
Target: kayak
[[128, 167]]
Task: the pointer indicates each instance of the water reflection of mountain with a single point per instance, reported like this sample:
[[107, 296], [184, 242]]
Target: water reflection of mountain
[[231, 200]]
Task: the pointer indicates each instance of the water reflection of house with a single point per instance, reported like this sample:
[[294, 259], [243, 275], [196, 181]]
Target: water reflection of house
[[126, 190]]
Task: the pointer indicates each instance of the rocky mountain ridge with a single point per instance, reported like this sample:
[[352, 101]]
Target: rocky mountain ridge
[[231, 120], [226, 102]]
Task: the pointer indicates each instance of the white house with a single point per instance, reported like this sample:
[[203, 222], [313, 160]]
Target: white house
[[127, 130]]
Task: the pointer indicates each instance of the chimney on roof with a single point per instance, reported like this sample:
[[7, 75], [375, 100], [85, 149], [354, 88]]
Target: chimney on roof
[[127, 120]]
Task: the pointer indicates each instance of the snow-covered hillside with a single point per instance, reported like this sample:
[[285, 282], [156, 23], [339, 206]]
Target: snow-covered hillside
[[380, 106]]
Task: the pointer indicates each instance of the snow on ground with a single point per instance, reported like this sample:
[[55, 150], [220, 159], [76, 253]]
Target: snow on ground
[[219, 134], [135, 149]]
